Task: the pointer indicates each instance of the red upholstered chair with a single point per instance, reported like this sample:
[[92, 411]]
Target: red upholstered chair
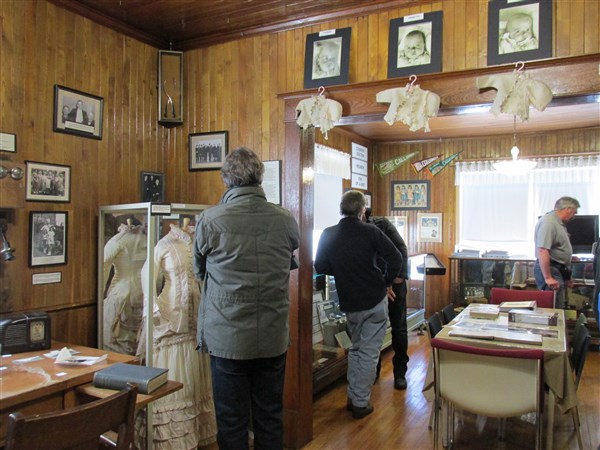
[[544, 299], [490, 382]]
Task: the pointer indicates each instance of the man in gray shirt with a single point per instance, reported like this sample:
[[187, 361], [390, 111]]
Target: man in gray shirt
[[553, 249]]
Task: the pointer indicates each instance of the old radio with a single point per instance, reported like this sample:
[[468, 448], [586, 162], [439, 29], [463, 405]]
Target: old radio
[[24, 332]]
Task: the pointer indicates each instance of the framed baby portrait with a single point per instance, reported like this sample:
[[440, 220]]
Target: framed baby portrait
[[327, 58], [415, 44], [519, 30], [47, 238], [411, 194]]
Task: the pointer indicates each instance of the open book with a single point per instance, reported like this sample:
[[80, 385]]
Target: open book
[[521, 337]]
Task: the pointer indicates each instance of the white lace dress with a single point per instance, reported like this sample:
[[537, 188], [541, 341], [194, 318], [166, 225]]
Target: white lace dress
[[186, 418], [125, 253]]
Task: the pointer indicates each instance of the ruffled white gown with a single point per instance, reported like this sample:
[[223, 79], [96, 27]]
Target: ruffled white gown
[[186, 418], [126, 253]]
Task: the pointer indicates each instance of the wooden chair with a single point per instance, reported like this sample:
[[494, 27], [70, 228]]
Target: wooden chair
[[491, 382], [448, 313], [78, 428], [434, 325], [544, 299]]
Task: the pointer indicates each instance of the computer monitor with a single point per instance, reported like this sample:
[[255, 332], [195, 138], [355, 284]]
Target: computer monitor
[[583, 232]]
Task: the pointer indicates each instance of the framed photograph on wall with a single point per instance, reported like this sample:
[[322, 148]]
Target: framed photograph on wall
[[47, 238], [411, 194], [415, 44], [429, 227], [519, 31], [8, 142], [272, 181], [48, 182], [77, 113], [327, 58], [152, 187], [401, 224], [208, 150]]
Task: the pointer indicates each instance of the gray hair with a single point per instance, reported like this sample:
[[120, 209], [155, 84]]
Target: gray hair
[[242, 167], [566, 202], [352, 203]]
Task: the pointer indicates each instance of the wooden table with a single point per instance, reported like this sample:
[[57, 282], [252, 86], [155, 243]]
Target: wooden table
[[42, 386], [557, 369]]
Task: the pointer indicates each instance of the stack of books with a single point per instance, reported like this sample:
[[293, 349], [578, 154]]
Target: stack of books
[[529, 305], [483, 311], [533, 317]]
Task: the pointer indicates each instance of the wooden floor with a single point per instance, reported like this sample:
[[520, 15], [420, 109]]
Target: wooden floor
[[400, 419]]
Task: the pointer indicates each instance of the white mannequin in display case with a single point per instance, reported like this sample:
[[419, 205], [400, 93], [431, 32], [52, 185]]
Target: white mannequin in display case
[[125, 253], [186, 418]]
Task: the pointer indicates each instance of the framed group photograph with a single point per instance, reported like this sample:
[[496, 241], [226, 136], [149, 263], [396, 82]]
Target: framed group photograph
[[47, 238], [208, 150], [152, 187], [415, 44], [77, 113], [519, 30], [429, 227], [411, 194], [327, 58], [48, 182]]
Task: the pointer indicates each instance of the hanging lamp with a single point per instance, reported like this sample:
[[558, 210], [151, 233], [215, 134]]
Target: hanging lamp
[[515, 166]]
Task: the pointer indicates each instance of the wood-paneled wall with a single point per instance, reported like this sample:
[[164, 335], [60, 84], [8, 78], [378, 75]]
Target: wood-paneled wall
[[232, 86]]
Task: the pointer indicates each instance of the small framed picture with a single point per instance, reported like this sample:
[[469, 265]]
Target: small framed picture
[[77, 113], [208, 150], [411, 194], [415, 44], [429, 227], [327, 58], [401, 224], [152, 187], [47, 238], [272, 181], [48, 182], [8, 142], [519, 31], [368, 199]]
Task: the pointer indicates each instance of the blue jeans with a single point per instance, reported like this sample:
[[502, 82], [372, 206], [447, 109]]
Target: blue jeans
[[367, 330], [397, 315], [245, 388], [561, 296]]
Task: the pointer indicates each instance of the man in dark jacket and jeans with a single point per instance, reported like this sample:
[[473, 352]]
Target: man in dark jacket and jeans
[[397, 306], [349, 251], [242, 252]]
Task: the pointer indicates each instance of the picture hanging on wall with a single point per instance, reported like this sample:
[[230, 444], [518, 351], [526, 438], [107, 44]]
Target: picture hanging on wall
[[327, 58], [519, 31], [415, 44], [152, 187], [411, 194], [48, 182], [47, 238], [207, 150], [77, 113], [429, 227]]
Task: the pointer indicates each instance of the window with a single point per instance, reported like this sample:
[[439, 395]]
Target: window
[[498, 212]]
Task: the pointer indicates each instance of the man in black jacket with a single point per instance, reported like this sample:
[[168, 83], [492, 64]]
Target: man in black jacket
[[350, 251], [396, 307]]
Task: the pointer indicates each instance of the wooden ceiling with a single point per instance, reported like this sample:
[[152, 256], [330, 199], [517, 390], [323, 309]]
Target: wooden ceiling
[[189, 24]]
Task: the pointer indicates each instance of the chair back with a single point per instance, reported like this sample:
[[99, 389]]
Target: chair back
[[544, 299], [78, 428], [434, 325], [448, 313], [580, 346]]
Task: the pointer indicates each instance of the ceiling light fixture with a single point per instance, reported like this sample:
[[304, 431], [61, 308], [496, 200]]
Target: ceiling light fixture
[[514, 166]]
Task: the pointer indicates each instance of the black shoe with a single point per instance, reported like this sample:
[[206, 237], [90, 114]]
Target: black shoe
[[349, 405], [400, 383], [359, 413]]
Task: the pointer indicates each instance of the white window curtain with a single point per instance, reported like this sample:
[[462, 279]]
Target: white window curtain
[[329, 161], [499, 211]]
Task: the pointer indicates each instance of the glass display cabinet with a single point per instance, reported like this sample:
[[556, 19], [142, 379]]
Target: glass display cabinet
[[127, 237]]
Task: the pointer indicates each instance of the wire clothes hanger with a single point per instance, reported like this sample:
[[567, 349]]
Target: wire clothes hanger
[[410, 86]]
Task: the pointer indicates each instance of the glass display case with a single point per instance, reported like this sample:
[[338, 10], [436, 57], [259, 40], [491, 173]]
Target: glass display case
[[128, 235]]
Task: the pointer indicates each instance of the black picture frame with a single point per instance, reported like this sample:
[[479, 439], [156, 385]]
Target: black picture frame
[[152, 187], [47, 182], [403, 198], [87, 123], [411, 32], [207, 151], [501, 48], [48, 238], [334, 45]]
